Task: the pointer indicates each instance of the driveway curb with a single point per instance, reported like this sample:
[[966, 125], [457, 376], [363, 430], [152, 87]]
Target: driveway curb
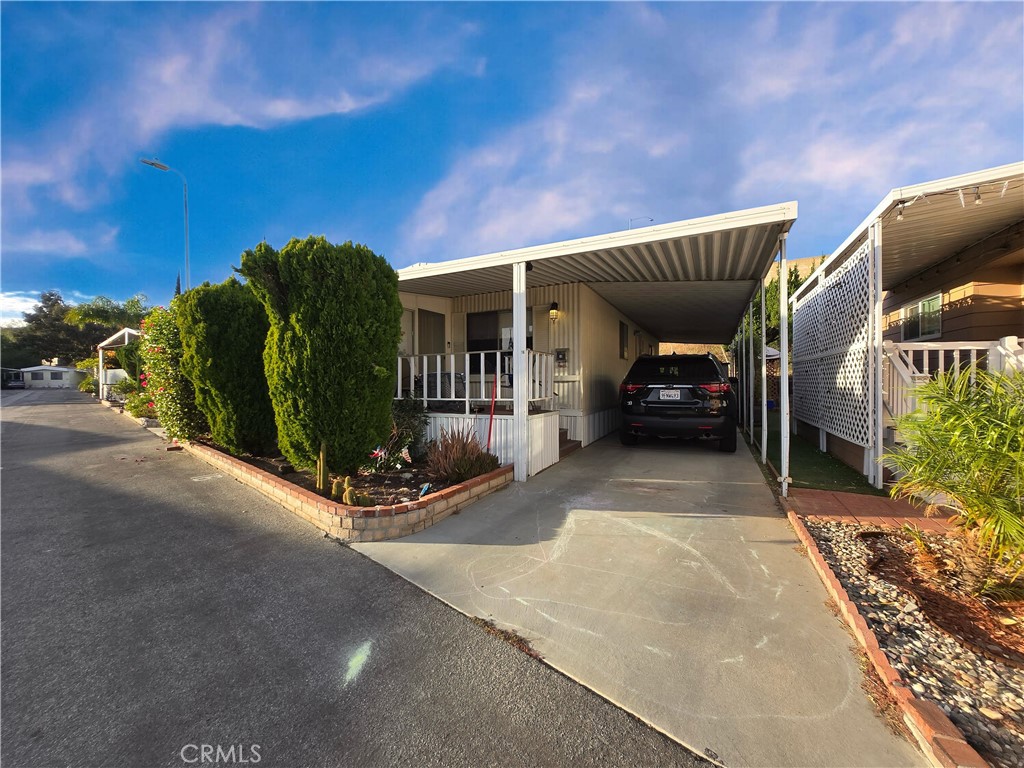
[[939, 739]]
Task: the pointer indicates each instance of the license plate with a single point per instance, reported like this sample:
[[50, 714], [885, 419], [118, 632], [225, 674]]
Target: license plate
[[669, 394]]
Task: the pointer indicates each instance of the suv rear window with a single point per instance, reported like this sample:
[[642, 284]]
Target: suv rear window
[[658, 369]]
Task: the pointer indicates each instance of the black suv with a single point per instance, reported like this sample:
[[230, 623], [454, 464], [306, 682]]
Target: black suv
[[678, 396]]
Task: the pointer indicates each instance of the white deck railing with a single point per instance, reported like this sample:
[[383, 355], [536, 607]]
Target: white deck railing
[[466, 383], [907, 365]]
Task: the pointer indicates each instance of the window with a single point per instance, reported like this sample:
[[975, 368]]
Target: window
[[37, 375], [923, 319], [623, 340], [57, 376]]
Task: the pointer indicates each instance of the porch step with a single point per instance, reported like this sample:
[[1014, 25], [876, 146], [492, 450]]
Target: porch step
[[565, 445]]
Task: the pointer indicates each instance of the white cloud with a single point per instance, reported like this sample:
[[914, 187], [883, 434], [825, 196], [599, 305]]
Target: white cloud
[[239, 65], [13, 304], [655, 115], [575, 168], [62, 243], [887, 104]]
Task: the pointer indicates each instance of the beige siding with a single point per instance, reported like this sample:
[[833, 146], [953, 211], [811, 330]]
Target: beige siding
[[548, 336], [588, 329], [981, 301], [603, 368]]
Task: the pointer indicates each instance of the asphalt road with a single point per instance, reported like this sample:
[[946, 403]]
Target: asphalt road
[[151, 607]]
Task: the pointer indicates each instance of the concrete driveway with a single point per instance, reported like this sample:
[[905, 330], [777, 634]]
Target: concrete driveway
[[665, 578]]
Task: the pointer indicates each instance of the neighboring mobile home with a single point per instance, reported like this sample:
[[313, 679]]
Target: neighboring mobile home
[[52, 377], [547, 333], [932, 279]]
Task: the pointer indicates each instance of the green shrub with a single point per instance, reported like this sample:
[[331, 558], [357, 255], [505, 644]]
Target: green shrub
[[335, 323], [223, 332], [458, 456], [168, 388], [965, 451], [138, 404], [125, 387]]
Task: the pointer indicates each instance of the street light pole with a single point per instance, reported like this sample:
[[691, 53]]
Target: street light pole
[[184, 182]]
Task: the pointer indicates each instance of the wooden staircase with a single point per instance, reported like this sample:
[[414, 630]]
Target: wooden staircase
[[565, 445]]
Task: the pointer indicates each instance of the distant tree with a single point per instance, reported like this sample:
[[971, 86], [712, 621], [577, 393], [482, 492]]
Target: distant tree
[[771, 308], [335, 324], [177, 286], [223, 332], [47, 332], [109, 313], [16, 351]]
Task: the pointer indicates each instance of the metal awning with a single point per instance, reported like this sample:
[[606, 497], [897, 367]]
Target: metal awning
[[925, 224], [685, 281], [120, 339]]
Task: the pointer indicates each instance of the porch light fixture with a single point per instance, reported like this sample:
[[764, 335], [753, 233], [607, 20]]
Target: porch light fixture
[[899, 213], [553, 310], [977, 196]]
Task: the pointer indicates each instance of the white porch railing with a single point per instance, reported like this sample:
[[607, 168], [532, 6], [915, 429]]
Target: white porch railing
[[907, 365], [466, 383]]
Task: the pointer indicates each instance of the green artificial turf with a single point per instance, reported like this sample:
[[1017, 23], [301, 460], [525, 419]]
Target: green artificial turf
[[811, 468]]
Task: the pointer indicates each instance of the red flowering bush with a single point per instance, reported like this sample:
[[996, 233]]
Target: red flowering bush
[[167, 389]]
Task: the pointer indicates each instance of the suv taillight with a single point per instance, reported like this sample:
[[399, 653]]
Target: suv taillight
[[717, 388], [629, 389]]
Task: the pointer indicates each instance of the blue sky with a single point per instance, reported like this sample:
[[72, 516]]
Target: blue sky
[[437, 131]]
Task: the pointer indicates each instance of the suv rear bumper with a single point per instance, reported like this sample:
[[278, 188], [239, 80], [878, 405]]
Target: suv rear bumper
[[684, 426]]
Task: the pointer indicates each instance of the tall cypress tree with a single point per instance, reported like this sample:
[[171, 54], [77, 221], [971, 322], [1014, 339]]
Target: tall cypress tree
[[223, 332], [335, 324]]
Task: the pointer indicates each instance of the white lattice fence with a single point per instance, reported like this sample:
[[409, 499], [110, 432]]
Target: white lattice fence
[[830, 352]]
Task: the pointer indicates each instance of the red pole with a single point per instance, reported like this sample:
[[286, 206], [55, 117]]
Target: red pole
[[490, 424]]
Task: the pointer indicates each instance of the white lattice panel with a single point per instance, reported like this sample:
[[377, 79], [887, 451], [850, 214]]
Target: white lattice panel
[[830, 352]]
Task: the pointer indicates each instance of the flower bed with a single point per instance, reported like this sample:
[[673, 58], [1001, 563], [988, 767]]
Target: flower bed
[[346, 523]]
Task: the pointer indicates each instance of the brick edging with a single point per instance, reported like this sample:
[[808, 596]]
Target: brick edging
[[940, 740], [377, 523]]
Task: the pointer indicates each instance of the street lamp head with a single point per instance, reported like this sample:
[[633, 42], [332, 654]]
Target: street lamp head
[[155, 164]]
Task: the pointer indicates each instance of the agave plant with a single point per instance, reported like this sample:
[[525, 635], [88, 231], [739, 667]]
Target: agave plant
[[964, 452]]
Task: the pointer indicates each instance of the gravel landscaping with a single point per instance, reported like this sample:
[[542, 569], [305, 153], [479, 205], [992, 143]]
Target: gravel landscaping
[[983, 696]]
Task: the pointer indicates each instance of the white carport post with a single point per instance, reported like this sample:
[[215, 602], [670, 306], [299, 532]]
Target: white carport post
[[875, 387], [785, 479], [520, 375], [764, 384], [750, 369]]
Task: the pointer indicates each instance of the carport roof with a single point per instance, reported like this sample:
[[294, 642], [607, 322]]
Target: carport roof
[[685, 281], [940, 219], [120, 339]]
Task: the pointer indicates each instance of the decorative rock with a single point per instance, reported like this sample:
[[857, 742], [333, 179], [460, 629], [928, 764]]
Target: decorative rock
[[967, 686]]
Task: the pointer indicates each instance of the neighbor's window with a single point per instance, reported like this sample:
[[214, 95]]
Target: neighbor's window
[[37, 375], [923, 319], [57, 376], [623, 340]]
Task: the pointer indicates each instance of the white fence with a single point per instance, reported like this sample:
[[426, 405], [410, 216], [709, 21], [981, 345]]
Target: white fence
[[467, 383], [832, 351], [910, 364]]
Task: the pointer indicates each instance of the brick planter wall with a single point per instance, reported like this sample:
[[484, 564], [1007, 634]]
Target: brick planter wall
[[356, 523], [939, 739]]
